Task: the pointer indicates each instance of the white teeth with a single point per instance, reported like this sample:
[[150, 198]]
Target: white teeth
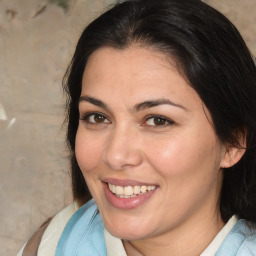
[[143, 189], [129, 191], [136, 189], [151, 188], [119, 190], [113, 188]]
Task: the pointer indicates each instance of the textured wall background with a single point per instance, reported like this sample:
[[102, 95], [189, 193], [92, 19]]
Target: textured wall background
[[37, 39]]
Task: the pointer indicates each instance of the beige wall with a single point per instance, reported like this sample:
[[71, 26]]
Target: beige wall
[[36, 42]]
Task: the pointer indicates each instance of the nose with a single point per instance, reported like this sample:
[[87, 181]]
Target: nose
[[122, 150]]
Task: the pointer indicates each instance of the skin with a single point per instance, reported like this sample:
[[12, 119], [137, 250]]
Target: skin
[[180, 153]]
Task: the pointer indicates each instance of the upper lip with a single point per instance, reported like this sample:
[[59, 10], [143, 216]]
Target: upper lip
[[124, 183]]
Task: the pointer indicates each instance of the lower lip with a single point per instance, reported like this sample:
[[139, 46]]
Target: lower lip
[[127, 203]]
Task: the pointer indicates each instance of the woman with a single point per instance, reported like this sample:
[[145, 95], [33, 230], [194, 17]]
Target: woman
[[161, 128]]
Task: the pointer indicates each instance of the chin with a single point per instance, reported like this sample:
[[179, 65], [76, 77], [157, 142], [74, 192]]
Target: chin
[[128, 235], [128, 231]]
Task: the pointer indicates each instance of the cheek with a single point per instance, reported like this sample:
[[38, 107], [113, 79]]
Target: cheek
[[88, 151], [190, 172], [185, 155]]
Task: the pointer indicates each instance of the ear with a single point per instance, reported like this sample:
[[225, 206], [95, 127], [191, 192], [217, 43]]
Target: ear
[[234, 153]]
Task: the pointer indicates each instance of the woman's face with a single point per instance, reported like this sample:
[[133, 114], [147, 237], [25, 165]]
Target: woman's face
[[146, 145]]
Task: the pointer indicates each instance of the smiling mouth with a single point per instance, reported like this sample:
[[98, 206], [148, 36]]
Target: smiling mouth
[[129, 191]]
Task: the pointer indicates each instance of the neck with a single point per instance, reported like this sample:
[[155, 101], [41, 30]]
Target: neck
[[189, 239]]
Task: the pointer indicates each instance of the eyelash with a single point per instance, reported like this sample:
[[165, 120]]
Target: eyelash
[[166, 121]]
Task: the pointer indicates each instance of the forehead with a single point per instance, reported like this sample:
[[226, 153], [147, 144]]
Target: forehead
[[135, 63], [134, 73]]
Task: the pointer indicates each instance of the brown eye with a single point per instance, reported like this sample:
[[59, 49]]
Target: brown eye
[[158, 121], [95, 118], [98, 118]]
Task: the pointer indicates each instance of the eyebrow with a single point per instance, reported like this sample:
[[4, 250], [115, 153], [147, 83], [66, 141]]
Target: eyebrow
[[138, 107], [153, 103], [93, 101]]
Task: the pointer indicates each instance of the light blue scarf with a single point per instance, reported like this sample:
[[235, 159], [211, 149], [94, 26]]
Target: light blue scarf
[[83, 234], [241, 241]]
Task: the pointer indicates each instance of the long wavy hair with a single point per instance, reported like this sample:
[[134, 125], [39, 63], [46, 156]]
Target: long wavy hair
[[213, 58]]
